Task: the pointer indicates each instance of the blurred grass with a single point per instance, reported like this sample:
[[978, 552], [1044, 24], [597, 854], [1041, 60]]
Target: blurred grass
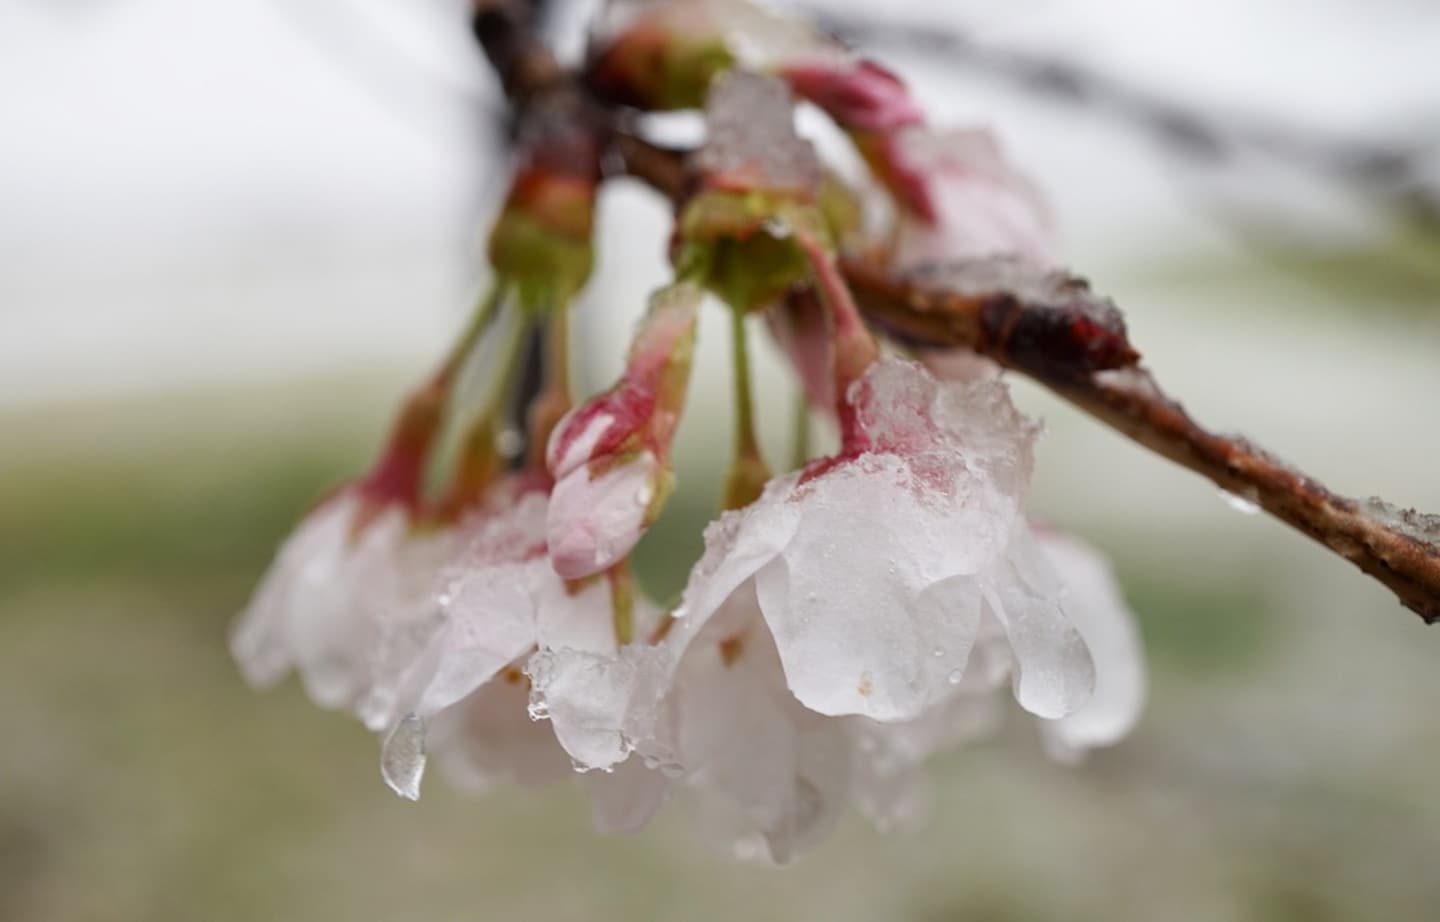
[[1395, 272], [140, 780]]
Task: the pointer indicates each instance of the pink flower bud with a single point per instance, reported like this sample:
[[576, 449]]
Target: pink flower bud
[[610, 456], [859, 95]]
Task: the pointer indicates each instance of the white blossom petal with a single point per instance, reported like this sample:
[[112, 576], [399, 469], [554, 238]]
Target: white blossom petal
[[1054, 672], [1098, 610], [595, 520]]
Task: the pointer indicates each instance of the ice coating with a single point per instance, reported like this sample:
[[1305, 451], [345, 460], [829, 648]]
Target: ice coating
[[402, 759], [596, 520], [1054, 674], [346, 606], [855, 619], [1417, 526], [751, 141], [1094, 602], [503, 601], [489, 739], [304, 574]]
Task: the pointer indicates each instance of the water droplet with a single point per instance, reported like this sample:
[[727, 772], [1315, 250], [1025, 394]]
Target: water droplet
[[679, 612], [509, 443], [672, 770], [938, 652], [1240, 504], [402, 758], [643, 496], [955, 676]]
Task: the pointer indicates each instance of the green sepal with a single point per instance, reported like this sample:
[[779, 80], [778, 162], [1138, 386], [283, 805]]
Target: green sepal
[[743, 242], [546, 268]]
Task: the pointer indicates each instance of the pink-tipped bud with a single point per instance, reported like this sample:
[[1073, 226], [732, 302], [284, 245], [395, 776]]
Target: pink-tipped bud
[[610, 455]]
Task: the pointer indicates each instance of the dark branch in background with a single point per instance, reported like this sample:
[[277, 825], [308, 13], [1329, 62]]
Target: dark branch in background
[[1392, 174], [1049, 326]]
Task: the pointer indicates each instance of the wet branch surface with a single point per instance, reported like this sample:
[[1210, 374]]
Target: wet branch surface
[[1047, 325]]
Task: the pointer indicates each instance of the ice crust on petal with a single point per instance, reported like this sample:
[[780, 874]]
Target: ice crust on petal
[[585, 697], [346, 606], [750, 126], [1094, 603], [1054, 671], [892, 548], [306, 572], [503, 600], [489, 739], [595, 520]]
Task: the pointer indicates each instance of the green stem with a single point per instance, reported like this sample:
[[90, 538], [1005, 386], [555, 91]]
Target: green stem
[[553, 401], [622, 601], [800, 435], [745, 441], [510, 353], [749, 472], [480, 319]]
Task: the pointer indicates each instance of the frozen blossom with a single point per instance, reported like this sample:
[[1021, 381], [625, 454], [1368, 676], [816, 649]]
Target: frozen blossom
[[344, 602], [465, 694], [850, 623]]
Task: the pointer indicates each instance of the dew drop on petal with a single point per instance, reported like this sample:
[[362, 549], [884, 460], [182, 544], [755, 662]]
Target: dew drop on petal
[[938, 652], [1239, 503], [955, 676], [402, 759]]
